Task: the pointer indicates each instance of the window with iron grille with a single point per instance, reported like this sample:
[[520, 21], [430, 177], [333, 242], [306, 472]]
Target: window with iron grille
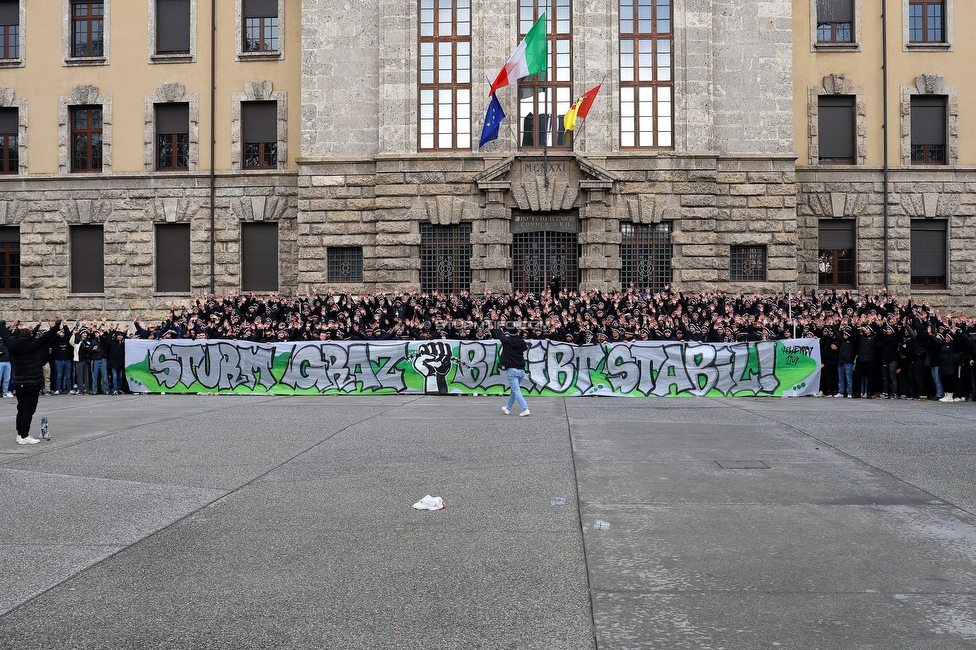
[[87, 28], [172, 137], [445, 258], [86, 138], [87, 259], [345, 263], [9, 141], [9, 29], [835, 21], [928, 129], [646, 82], [645, 256], [260, 130], [260, 25], [9, 259], [836, 254], [445, 74], [549, 93], [541, 258], [748, 264], [929, 241], [926, 21]]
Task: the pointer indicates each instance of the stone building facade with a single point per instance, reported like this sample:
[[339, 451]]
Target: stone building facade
[[731, 193], [728, 181]]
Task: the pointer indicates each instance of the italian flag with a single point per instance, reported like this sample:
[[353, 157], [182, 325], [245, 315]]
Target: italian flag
[[529, 57]]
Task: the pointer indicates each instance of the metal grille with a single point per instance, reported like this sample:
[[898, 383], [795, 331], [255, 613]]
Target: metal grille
[[748, 264], [345, 264], [445, 258], [645, 256], [538, 258]]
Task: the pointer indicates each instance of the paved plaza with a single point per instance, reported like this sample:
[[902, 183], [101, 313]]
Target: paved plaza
[[212, 522]]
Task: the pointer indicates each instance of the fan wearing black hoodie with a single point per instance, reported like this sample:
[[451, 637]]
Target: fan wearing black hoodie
[[27, 349]]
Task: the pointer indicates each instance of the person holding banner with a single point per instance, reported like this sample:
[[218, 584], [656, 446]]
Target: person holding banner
[[512, 361]]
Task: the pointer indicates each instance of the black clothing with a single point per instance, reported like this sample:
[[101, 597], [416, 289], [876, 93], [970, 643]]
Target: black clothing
[[27, 352], [513, 351]]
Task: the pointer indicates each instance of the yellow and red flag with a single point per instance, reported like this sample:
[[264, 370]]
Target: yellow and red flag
[[580, 107]]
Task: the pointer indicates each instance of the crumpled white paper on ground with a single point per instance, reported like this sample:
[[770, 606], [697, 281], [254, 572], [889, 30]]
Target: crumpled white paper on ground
[[429, 503]]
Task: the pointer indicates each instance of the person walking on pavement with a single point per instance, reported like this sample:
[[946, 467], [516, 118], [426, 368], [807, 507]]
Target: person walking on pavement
[[27, 350], [512, 361]]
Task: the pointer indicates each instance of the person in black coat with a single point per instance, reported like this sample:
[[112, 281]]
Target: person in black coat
[[890, 341], [27, 349], [828, 356], [846, 352], [867, 344], [115, 356]]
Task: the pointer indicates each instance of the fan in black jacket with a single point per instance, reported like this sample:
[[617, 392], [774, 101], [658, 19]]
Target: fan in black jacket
[[27, 349]]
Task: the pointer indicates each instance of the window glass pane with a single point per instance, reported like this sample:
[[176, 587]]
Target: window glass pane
[[645, 69]]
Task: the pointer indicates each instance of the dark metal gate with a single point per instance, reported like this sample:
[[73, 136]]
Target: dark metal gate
[[540, 257]]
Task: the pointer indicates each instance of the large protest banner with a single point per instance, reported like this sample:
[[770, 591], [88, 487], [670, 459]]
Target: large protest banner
[[640, 369]]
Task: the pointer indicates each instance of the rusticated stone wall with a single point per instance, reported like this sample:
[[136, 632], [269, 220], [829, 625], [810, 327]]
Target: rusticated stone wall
[[127, 207], [713, 203], [913, 194]]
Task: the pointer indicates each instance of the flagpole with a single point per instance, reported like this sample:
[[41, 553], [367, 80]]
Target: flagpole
[[602, 81], [510, 128], [545, 136]]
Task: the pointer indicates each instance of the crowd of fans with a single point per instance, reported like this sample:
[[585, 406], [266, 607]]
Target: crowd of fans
[[873, 344]]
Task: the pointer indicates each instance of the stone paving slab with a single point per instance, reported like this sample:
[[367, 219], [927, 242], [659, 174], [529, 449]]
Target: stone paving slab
[[277, 522]]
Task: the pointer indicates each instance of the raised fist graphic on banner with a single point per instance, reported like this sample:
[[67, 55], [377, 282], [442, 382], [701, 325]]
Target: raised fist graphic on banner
[[433, 361]]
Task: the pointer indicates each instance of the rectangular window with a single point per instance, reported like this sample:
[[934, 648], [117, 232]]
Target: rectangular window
[[926, 22], [172, 26], [445, 258], [835, 21], [260, 129], [9, 141], [646, 84], [86, 138], [837, 129], [259, 256], [548, 93], [645, 256], [87, 259], [9, 29], [9, 259], [260, 25], [929, 257], [172, 137], [748, 264], [928, 129], [87, 28], [345, 264], [445, 74], [173, 257], [836, 253]]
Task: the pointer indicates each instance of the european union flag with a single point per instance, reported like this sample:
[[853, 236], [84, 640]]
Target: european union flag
[[493, 119]]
